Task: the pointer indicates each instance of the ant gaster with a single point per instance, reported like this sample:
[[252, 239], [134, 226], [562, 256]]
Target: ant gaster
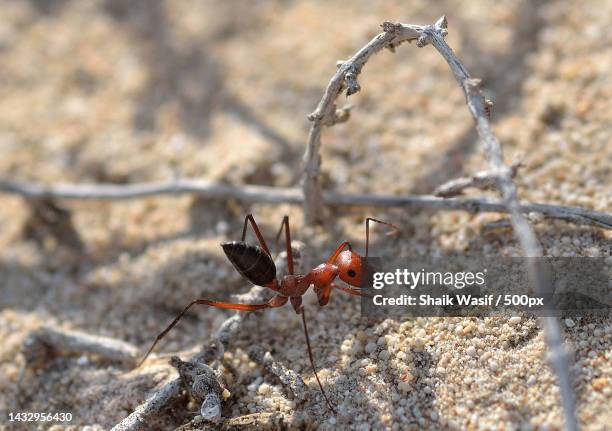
[[255, 263]]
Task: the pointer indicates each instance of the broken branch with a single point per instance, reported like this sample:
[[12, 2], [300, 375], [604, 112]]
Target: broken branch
[[202, 384], [43, 342], [480, 180], [287, 377]]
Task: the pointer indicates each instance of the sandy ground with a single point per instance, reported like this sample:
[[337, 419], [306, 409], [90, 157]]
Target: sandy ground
[[125, 91]]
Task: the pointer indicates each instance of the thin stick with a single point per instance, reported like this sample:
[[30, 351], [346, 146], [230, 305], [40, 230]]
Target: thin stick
[[277, 195], [287, 377], [45, 341], [477, 106], [145, 413], [481, 180]]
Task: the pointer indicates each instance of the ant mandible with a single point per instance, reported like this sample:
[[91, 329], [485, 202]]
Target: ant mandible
[[255, 263]]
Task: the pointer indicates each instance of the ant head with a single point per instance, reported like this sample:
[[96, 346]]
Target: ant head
[[349, 267]]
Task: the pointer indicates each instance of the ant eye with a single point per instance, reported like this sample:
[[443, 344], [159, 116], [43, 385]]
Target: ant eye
[[351, 273]]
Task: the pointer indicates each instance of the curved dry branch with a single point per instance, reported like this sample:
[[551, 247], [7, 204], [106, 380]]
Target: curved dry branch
[[480, 108], [47, 340]]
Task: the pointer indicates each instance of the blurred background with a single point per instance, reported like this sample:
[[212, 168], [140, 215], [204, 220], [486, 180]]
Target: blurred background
[[122, 91]]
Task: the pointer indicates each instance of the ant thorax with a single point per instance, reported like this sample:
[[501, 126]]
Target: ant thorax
[[322, 276], [289, 285]]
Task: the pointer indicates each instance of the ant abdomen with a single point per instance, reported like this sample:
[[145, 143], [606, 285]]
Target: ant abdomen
[[251, 261]]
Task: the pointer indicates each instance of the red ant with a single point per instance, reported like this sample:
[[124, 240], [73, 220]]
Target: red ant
[[255, 263]]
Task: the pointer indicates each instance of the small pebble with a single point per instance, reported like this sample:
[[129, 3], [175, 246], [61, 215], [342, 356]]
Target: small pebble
[[418, 343], [255, 385], [468, 329], [569, 323], [514, 320], [357, 347], [370, 347], [404, 387], [264, 389], [471, 351]]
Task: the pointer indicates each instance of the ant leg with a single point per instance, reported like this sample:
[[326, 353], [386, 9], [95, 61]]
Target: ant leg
[[368, 231], [285, 224], [312, 363], [262, 241], [296, 302], [276, 301], [335, 254], [351, 291], [324, 294]]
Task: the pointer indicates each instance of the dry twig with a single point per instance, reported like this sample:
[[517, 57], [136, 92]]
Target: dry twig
[[203, 385], [480, 180], [287, 377], [477, 105], [43, 342], [276, 195], [145, 414]]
